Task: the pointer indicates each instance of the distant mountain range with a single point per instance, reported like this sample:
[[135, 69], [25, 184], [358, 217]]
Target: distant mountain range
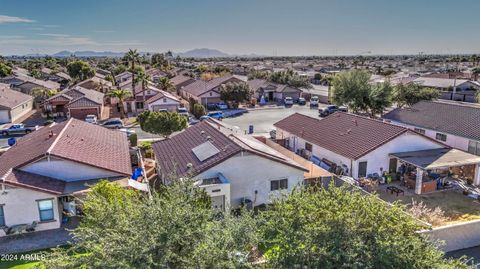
[[194, 53]]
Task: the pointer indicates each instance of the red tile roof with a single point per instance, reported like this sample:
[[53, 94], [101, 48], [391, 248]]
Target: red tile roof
[[349, 135], [73, 140]]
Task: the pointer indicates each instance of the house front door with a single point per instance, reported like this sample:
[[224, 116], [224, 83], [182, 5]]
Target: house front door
[[392, 167], [362, 169]]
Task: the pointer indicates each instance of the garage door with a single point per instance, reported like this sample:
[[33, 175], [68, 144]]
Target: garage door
[[81, 113], [4, 116]]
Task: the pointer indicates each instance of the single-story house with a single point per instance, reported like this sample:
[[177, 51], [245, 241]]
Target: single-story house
[[232, 167], [163, 100], [456, 124], [96, 83], [273, 91], [76, 102], [25, 84], [365, 147], [465, 89], [13, 104], [46, 170], [57, 76], [181, 81], [205, 92]]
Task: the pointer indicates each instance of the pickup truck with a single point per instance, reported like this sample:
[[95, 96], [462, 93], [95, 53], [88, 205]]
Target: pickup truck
[[331, 109], [14, 129]]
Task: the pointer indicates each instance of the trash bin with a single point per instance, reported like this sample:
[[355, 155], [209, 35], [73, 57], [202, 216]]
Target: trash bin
[[250, 129]]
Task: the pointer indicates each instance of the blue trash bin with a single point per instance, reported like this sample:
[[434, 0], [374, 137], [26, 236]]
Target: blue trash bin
[[250, 129]]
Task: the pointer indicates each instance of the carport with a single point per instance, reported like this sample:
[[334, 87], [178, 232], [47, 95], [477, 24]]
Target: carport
[[439, 161]]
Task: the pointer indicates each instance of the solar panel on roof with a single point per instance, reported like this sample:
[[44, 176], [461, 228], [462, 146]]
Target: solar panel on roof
[[205, 151]]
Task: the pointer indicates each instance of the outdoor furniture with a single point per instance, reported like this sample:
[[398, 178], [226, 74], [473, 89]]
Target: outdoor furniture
[[396, 190]]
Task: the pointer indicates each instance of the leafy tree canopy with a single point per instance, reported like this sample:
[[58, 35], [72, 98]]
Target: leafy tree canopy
[[235, 92], [288, 77], [80, 70], [409, 94], [162, 123], [5, 70]]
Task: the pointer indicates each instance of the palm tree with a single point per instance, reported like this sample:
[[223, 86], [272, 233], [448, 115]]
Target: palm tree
[[165, 84], [143, 79], [132, 57], [121, 95]]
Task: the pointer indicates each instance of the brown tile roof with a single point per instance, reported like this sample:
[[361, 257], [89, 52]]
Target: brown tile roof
[[346, 134], [444, 116], [176, 80], [73, 140], [175, 153], [11, 98], [35, 182], [162, 94], [79, 97], [200, 87]]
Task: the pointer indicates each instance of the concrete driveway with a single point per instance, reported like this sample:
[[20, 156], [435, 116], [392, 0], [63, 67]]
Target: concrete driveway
[[263, 119]]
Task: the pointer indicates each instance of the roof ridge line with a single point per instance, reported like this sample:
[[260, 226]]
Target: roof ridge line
[[49, 150]]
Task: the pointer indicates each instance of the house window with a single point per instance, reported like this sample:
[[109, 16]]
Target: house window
[[362, 169], [45, 208], [210, 93], [441, 137], [164, 99], [308, 146], [139, 105], [281, 184], [420, 131], [2, 216], [474, 147]]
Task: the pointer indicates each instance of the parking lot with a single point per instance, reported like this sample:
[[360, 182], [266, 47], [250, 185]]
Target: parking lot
[[263, 119]]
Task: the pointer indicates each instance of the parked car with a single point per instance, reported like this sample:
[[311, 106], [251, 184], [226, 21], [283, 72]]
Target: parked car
[[222, 106], [15, 129], [302, 101], [288, 101], [128, 131], [331, 109], [91, 119], [211, 106], [314, 101], [114, 123], [183, 111], [218, 115]]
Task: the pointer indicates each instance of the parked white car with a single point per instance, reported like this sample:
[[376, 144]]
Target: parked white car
[[314, 101], [288, 101], [114, 123], [91, 119]]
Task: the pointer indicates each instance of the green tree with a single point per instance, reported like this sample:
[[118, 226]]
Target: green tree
[[380, 98], [132, 57], [410, 94], [352, 88], [162, 123], [158, 60], [80, 70], [5, 70], [41, 94], [165, 84], [198, 110], [338, 228], [475, 72], [176, 228], [121, 95], [235, 92]]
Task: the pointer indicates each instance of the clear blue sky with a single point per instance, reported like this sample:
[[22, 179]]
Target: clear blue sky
[[293, 27]]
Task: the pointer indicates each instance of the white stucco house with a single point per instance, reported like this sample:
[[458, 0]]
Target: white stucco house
[[456, 124], [13, 104], [42, 174], [233, 168], [163, 100], [363, 146], [206, 92]]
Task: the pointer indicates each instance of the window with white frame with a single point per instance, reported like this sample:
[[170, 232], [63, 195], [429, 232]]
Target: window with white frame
[[2, 216], [419, 130], [474, 147], [280, 184], [45, 208]]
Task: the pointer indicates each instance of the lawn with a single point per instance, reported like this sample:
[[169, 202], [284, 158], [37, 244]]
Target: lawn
[[456, 206], [20, 261]]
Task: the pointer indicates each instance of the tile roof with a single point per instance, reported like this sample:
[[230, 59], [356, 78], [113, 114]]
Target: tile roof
[[74, 140], [174, 154], [162, 94], [200, 87], [79, 97], [346, 134], [176, 80], [11, 98], [462, 119], [257, 84]]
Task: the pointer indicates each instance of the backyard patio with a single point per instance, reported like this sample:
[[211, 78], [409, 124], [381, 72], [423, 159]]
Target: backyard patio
[[446, 206]]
